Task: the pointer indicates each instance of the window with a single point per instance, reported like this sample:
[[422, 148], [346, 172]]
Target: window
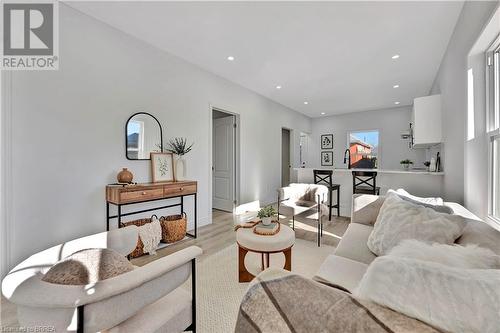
[[493, 99], [364, 149], [495, 200]]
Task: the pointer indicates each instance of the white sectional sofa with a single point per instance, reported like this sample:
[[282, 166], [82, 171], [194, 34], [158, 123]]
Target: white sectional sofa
[[347, 265]]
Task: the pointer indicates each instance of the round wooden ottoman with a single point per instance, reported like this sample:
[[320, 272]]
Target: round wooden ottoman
[[249, 241]]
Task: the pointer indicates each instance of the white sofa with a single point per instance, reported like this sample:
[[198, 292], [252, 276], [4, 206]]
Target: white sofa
[[347, 265], [146, 299]]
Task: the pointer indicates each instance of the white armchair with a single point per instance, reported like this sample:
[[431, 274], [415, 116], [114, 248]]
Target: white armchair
[[298, 198], [146, 299]]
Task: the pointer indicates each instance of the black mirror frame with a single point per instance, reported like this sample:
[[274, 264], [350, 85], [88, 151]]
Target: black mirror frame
[[126, 137]]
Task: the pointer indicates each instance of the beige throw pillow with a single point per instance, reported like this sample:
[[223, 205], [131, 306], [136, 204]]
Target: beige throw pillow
[[88, 266], [399, 220]]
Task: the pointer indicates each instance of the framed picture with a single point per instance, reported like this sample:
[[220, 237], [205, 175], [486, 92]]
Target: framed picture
[[327, 158], [327, 141], [162, 167]]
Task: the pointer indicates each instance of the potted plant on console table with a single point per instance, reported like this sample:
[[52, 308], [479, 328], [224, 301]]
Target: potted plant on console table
[[179, 147]]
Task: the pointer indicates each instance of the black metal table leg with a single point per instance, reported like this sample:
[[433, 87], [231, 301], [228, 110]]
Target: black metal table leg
[[338, 201], [330, 205], [119, 216], [195, 215], [107, 216]]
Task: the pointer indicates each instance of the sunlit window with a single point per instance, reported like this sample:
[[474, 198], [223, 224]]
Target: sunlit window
[[364, 149], [493, 70], [470, 105]]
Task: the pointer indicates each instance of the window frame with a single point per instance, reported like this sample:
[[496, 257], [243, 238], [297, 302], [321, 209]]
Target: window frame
[[493, 124], [379, 149]]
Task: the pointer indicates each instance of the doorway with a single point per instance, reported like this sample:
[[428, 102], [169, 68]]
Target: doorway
[[224, 158], [285, 157]]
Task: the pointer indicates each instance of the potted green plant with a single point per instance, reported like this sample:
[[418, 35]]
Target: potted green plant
[[406, 164], [266, 214], [179, 147]]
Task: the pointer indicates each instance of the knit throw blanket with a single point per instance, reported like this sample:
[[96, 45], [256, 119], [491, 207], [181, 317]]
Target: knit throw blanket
[[282, 302], [150, 234]]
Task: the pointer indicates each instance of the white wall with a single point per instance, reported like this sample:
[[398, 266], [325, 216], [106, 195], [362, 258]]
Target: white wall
[[68, 130], [451, 82], [390, 122]]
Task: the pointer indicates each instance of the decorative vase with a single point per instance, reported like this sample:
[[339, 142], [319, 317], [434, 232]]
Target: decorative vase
[[267, 220], [125, 176], [180, 168]]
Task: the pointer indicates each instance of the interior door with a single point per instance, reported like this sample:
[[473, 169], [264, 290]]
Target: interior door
[[223, 158], [285, 157]]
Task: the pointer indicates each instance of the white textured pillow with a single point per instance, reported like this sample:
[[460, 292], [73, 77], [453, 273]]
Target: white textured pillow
[[399, 220], [468, 257], [434, 203], [452, 299]]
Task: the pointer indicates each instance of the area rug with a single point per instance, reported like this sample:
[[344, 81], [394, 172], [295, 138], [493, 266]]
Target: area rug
[[219, 293]]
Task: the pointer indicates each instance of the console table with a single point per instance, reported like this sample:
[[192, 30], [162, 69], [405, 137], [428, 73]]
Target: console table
[[123, 195]]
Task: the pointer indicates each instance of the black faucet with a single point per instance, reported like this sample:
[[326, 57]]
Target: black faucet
[[347, 158]]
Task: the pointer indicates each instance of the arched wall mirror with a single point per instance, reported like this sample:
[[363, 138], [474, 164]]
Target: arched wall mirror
[[143, 135]]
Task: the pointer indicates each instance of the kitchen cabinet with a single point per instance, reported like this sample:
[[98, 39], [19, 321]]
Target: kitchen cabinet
[[426, 121]]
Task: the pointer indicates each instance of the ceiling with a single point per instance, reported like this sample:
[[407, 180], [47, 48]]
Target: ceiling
[[337, 56]]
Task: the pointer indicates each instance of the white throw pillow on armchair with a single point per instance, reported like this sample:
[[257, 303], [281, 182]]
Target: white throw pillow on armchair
[[399, 220]]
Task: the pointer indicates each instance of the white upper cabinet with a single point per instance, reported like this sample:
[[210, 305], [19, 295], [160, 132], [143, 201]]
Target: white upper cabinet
[[426, 119]]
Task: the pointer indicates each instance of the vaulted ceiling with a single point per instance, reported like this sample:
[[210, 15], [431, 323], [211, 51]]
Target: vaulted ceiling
[[336, 56]]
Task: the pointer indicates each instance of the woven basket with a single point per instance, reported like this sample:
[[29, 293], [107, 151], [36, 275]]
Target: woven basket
[[173, 227], [139, 248]]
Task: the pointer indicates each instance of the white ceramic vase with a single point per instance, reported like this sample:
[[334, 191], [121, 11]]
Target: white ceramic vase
[[180, 168], [267, 220]]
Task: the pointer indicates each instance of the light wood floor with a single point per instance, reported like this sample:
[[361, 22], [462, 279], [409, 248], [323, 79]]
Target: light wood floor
[[215, 237]]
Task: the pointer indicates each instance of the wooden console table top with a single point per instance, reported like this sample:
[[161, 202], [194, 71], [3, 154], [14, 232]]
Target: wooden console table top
[[119, 194]]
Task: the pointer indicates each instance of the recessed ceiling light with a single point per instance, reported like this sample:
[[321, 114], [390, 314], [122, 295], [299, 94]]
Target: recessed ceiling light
[[397, 103], [396, 56], [306, 102], [322, 113], [230, 58], [278, 87], [395, 86]]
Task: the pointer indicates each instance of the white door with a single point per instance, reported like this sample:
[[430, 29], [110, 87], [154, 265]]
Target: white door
[[223, 163], [285, 157]]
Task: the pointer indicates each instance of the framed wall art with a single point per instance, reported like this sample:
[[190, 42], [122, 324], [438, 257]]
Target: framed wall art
[[162, 167], [327, 141], [327, 158]]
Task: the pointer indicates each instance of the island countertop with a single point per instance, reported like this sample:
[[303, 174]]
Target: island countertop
[[381, 171]]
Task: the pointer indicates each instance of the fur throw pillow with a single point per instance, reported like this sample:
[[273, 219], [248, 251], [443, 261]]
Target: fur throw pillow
[[88, 266], [468, 257], [399, 220], [452, 299]]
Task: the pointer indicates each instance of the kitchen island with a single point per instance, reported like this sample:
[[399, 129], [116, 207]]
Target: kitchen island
[[417, 182]]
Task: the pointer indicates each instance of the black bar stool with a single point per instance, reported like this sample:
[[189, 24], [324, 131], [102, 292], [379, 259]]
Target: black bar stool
[[367, 178], [324, 177]]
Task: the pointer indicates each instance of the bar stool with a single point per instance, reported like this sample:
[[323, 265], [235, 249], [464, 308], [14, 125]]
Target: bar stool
[[324, 177], [368, 178]]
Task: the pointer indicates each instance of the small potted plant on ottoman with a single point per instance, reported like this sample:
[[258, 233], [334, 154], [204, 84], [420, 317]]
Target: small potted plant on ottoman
[[266, 214], [406, 164]]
